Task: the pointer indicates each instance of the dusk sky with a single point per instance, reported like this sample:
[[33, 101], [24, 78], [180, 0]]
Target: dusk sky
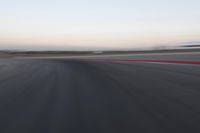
[[97, 24]]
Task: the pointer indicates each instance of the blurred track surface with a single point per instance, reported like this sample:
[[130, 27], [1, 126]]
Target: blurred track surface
[[72, 96]]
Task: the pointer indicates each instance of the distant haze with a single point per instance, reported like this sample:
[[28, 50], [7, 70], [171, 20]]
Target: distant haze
[[97, 24]]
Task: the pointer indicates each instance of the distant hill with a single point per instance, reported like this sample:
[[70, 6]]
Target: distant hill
[[191, 44]]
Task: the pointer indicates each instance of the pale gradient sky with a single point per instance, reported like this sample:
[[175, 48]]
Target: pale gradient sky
[[93, 24]]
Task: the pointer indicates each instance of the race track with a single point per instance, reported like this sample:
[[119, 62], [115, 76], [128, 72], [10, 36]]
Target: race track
[[77, 96]]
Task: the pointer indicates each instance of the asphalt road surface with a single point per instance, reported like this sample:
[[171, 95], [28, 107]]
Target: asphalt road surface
[[71, 96]]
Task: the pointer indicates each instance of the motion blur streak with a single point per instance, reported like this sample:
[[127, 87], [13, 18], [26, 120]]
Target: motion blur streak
[[49, 96], [160, 61]]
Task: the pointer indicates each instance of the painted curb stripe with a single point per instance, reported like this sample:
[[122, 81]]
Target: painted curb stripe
[[158, 61]]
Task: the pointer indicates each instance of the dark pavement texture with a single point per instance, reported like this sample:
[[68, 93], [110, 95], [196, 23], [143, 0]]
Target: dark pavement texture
[[63, 96]]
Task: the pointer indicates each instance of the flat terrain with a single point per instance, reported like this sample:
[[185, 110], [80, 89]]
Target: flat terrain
[[93, 96], [190, 56]]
